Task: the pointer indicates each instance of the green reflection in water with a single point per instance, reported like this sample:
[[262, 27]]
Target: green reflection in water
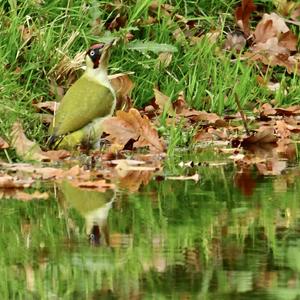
[[229, 236]]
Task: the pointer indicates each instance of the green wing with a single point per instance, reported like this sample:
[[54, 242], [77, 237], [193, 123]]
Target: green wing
[[85, 101]]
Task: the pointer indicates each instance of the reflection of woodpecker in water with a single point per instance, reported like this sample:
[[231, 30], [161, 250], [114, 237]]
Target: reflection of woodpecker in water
[[94, 207], [96, 225]]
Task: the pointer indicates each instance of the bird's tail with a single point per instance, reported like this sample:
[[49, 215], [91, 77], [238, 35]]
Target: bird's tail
[[53, 141]]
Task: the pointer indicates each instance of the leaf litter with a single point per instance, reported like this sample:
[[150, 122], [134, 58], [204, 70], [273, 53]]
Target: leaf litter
[[268, 148]]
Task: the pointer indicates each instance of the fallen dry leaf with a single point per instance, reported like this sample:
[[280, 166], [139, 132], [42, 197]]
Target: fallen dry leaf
[[203, 135], [56, 90], [180, 104], [9, 182], [271, 25], [29, 150], [57, 154], [165, 9], [237, 156], [45, 118], [198, 116], [46, 173], [3, 143], [182, 110], [117, 23], [289, 40], [292, 110], [282, 129], [267, 110], [129, 162], [165, 59], [286, 149], [131, 125], [163, 102], [23, 196], [271, 47], [26, 33], [67, 67], [263, 136], [284, 60], [123, 86], [25, 148], [273, 44], [242, 15], [51, 106]]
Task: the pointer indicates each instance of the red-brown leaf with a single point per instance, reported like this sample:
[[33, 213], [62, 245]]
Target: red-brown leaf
[[3, 144], [242, 15], [131, 125], [264, 136]]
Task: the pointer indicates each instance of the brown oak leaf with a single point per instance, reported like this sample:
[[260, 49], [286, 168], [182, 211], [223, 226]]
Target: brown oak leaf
[[131, 125]]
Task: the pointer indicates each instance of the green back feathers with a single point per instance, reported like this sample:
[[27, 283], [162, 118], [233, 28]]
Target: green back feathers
[[85, 201], [85, 101]]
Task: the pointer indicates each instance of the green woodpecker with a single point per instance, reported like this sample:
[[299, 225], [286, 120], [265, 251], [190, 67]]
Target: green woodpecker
[[93, 206], [86, 104]]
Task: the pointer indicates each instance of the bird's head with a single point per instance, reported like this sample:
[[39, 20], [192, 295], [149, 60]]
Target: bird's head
[[97, 56]]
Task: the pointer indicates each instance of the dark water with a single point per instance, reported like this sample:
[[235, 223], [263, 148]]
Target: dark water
[[231, 235]]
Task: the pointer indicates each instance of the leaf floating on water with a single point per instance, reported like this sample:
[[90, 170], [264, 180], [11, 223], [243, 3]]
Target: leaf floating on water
[[132, 180], [195, 177], [145, 46], [245, 182], [23, 196], [123, 168], [129, 162], [9, 182], [237, 157], [98, 185], [188, 164], [271, 167]]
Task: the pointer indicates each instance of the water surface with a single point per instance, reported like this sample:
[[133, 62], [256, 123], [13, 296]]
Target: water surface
[[231, 235]]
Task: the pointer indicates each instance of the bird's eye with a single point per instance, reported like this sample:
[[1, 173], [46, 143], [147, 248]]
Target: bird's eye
[[92, 53]]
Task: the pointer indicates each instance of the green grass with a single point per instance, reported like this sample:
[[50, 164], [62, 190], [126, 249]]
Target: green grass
[[204, 71]]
